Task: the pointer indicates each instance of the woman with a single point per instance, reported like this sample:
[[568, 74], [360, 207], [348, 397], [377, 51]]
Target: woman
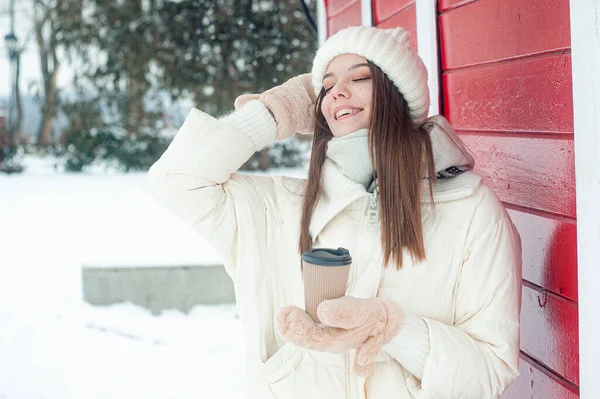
[[433, 298]]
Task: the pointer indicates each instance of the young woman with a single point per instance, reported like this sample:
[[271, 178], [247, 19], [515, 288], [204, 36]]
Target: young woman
[[433, 298]]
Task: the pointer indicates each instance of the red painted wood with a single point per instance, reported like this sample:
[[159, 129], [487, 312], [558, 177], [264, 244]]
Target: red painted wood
[[549, 332], [533, 95], [549, 252], [537, 173], [334, 7], [533, 383], [490, 30], [383, 9], [516, 115], [445, 5], [348, 17], [406, 19]]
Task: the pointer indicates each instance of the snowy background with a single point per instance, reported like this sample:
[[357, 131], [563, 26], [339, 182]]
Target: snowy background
[[52, 344]]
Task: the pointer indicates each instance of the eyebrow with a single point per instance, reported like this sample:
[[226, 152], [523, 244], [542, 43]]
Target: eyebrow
[[351, 68]]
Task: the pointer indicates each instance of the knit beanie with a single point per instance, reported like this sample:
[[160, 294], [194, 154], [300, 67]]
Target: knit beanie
[[390, 50]]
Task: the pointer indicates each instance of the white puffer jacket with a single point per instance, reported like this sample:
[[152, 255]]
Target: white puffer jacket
[[468, 290]]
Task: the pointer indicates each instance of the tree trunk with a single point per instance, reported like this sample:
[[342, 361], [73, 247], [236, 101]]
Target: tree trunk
[[135, 102], [48, 112], [51, 97], [264, 160], [47, 55], [19, 120]]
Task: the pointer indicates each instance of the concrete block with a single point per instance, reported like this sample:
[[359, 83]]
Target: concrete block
[[158, 288]]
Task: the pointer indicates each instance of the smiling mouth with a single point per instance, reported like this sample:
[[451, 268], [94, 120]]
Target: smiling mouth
[[346, 113]]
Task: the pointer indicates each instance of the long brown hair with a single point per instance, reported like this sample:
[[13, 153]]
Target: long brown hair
[[402, 153]]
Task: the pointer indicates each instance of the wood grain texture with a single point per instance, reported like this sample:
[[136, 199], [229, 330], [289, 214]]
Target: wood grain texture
[[384, 9], [348, 17], [491, 30], [445, 5], [549, 332], [549, 252], [533, 95], [406, 19], [536, 173], [536, 384], [335, 7]]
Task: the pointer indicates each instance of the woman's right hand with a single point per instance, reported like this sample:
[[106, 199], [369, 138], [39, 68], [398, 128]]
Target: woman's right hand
[[292, 105]]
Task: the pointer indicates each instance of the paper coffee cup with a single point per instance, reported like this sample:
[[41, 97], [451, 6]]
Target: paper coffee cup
[[325, 274]]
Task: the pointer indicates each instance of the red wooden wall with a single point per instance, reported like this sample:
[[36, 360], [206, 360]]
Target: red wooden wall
[[386, 14], [506, 88], [342, 14], [390, 14]]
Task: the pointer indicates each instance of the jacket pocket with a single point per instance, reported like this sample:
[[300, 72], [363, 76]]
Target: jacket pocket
[[294, 372], [283, 363]]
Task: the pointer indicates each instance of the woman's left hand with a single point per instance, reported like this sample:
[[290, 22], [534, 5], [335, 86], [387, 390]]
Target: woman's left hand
[[348, 323]]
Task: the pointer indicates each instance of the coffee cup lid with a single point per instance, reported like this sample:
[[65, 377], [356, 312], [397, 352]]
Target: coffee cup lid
[[327, 256]]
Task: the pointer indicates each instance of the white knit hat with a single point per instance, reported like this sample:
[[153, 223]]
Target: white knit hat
[[390, 50]]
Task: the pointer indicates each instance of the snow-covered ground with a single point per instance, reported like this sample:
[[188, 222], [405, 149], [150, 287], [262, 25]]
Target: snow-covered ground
[[53, 345]]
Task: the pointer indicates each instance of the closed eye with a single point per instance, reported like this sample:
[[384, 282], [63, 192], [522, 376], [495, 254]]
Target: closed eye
[[354, 80]]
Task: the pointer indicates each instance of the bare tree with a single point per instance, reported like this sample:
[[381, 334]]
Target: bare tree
[[45, 34], [18, 105]]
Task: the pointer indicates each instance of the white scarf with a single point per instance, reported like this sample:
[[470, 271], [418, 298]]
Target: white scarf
[[350, 154]]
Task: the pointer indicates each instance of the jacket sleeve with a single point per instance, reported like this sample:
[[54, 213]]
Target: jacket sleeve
[[478, 356], [195, 179]]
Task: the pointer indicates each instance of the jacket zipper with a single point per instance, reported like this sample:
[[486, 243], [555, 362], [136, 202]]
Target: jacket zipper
[[373, 211], [372, 217]]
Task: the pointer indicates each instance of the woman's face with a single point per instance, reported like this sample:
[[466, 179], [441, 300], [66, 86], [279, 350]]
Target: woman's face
[[347, 102]]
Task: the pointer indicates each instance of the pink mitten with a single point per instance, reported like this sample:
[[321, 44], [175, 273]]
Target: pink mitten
[[348, 323], [292, 105]]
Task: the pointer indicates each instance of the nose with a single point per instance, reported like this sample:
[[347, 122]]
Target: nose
[[340, 90]]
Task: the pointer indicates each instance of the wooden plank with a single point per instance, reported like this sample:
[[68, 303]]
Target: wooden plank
[[536, 173], [549, 332], [406, 19], [348, 17], [534, 383], [335, 7], [549, 252], [446, 5], [491, 30], [533, 95], [585, 22], [383, 9]]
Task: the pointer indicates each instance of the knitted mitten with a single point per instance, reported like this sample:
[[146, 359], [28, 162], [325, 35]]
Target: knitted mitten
[[348, 323], [292, 105]]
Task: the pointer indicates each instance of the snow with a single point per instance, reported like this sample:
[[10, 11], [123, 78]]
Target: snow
[[54, 345]]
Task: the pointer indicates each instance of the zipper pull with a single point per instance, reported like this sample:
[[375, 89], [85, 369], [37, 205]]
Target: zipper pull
[[373, 211]]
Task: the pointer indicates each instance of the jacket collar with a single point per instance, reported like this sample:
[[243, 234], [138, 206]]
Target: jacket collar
[[339, 191]]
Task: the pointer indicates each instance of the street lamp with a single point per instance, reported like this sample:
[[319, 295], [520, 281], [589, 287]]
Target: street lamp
[[11, 45], [13, 52]]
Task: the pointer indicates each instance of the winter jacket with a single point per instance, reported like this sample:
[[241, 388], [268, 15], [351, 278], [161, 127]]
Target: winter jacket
[[467, 290]]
